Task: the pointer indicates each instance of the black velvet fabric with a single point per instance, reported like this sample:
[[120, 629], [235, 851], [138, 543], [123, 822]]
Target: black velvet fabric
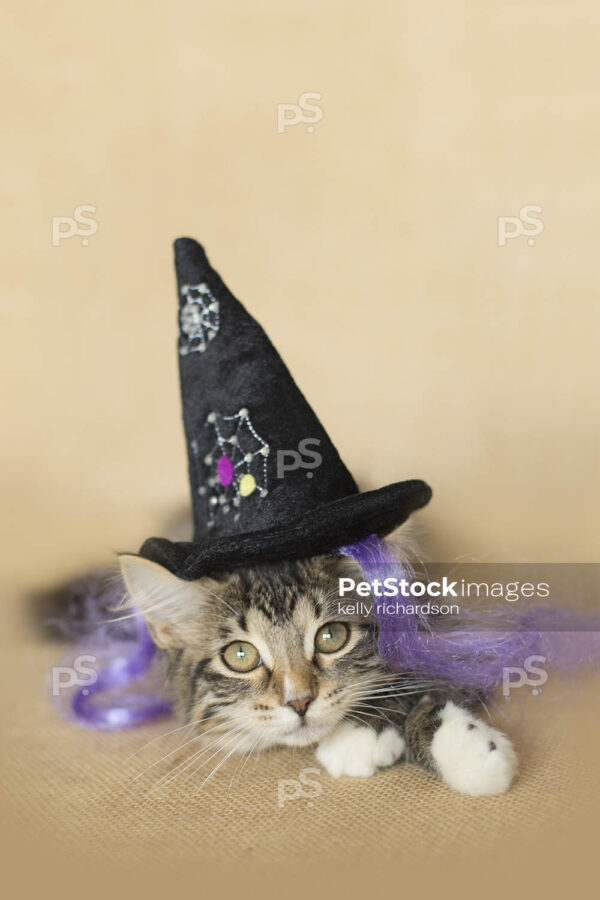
[[235, 384]]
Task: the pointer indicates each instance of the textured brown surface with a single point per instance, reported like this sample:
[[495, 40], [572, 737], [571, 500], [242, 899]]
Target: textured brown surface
[[368, 249], [84, 791]]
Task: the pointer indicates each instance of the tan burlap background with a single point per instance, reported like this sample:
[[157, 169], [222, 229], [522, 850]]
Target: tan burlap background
[[83, 796], [369, 249]]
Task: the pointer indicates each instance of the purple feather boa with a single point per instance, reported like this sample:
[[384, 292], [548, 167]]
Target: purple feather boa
[[118, 674], [474, 651], [126, 690]]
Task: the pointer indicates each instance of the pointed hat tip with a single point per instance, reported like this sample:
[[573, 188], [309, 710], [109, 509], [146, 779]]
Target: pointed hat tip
[[190, 258], [185, 245]]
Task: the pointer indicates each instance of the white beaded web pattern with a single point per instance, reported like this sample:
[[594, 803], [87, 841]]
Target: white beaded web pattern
[[236, 467], [198, 318]]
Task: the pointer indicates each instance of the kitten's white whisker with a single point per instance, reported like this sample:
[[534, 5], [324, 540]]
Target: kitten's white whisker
[[159, 738], [166, 779], [354, 718], [243, 761], [376, 706], [241, 734], [196, 737], [394, 688], [361, 711], [222, 600], [217, 767], [391, 694]]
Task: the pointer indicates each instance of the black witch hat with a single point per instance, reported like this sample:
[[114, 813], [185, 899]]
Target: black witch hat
[[266, 480]]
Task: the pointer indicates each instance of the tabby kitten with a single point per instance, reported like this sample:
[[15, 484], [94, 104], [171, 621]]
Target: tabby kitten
[[261, 657]]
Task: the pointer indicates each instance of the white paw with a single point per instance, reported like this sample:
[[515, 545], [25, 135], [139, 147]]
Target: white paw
[[389, 748], [355, 750], [472, 757]]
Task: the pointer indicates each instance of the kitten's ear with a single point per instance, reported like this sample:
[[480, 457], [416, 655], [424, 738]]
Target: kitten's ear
[[343, 567], [171, 606]]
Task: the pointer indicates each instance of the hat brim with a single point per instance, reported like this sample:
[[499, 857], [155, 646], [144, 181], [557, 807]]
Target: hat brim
[[322, 530]]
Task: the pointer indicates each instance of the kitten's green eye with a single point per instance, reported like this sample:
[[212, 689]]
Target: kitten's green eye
[[241, 656], [331, 637]]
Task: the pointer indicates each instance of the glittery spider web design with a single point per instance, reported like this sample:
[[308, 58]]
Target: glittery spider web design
[[198, 318], [235, 468]]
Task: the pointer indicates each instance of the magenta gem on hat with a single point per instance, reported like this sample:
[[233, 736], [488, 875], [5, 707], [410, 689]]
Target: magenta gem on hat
[[225, 471]]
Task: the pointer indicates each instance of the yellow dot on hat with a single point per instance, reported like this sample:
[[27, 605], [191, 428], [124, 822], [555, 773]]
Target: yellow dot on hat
[[247, 485]]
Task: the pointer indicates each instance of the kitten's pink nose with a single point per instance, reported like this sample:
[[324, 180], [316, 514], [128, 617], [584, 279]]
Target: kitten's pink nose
[[300, 706]]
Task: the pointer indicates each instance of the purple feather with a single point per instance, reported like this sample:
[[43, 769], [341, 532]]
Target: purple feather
[[473, 652], [126, 689]]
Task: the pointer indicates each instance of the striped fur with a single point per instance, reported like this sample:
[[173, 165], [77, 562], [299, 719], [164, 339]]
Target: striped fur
[[278, 608]]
